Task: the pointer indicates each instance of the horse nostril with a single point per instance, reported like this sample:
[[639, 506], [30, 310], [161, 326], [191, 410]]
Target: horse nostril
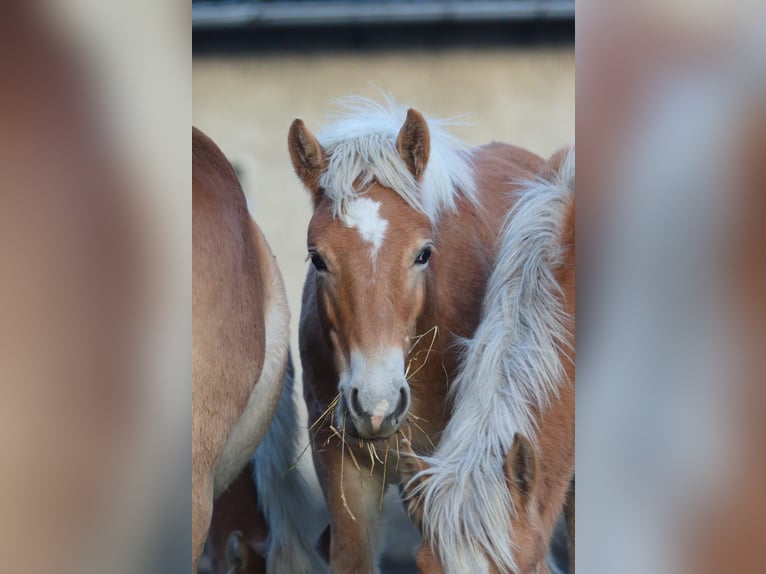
[[402, 406], [356, 406]]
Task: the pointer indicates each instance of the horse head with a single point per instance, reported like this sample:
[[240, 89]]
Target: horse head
[[370, 249]]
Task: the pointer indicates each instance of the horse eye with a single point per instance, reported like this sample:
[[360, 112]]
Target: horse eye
[[423, 256], [318, 262]]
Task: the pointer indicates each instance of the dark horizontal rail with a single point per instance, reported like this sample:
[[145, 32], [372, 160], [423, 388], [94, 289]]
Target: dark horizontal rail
[[328, 12]]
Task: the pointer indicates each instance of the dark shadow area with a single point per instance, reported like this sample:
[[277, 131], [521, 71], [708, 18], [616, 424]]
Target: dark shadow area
[[389, 566], [371, 38]]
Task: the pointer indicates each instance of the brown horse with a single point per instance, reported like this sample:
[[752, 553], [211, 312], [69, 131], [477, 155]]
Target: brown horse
[[402, 240], [240, 332], [479, 510]]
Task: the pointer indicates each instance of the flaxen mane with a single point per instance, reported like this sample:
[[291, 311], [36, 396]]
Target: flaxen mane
[[512, 364], [361, 148]]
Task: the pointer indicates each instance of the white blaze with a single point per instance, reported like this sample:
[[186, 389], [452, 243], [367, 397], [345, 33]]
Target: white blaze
[[364, 214]]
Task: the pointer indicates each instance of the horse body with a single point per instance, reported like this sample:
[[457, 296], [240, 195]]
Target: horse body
[[398, 279], [240, 332], [514, 395]]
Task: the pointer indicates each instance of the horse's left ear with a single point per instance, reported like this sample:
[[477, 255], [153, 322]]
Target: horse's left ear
[[521, 470], [414, 143]]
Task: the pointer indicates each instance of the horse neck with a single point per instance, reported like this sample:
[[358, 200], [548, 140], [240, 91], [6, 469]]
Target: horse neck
[[466, 246], [466, 241]]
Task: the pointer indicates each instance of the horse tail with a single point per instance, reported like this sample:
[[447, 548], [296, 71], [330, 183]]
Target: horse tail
[[284, 495], [515, 361], [560, 170]]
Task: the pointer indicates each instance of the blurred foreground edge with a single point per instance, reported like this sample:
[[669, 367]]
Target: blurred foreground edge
[[671, 444], [82, 309]]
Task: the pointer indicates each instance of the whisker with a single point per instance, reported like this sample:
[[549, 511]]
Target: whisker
[[424, 432], [372, 460], [375, 452], [319, 419], [418, 418], [297, 460], [328, 410], [428, 354], [398, 454], [353, 459], [342, 489], [350, 450], [335, 432], [383, 484], [411, 359], [417, 338]]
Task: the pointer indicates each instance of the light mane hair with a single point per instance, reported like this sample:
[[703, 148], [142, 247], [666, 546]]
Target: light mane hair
[[512, 364], [361, 148]]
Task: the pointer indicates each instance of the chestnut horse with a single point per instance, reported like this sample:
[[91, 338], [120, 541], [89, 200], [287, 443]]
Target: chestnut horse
[[402, 240], [240, 332], [479, 510]]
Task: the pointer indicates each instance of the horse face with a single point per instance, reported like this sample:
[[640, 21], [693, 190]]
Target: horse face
[[370, 267]]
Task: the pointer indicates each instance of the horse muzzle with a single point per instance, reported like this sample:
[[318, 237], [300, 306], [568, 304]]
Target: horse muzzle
[[376, 419]]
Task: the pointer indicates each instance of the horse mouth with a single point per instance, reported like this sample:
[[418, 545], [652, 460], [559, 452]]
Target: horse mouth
[[362, 427], [352, 432]]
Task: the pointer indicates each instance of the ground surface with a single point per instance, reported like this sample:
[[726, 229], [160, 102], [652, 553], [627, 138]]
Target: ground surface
[[245, 100]]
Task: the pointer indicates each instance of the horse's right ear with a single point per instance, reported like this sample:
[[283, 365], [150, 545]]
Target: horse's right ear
[[521, 471], [414, 143], [307, 155]]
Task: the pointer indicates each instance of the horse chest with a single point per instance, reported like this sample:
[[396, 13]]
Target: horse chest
[[429, 412]]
